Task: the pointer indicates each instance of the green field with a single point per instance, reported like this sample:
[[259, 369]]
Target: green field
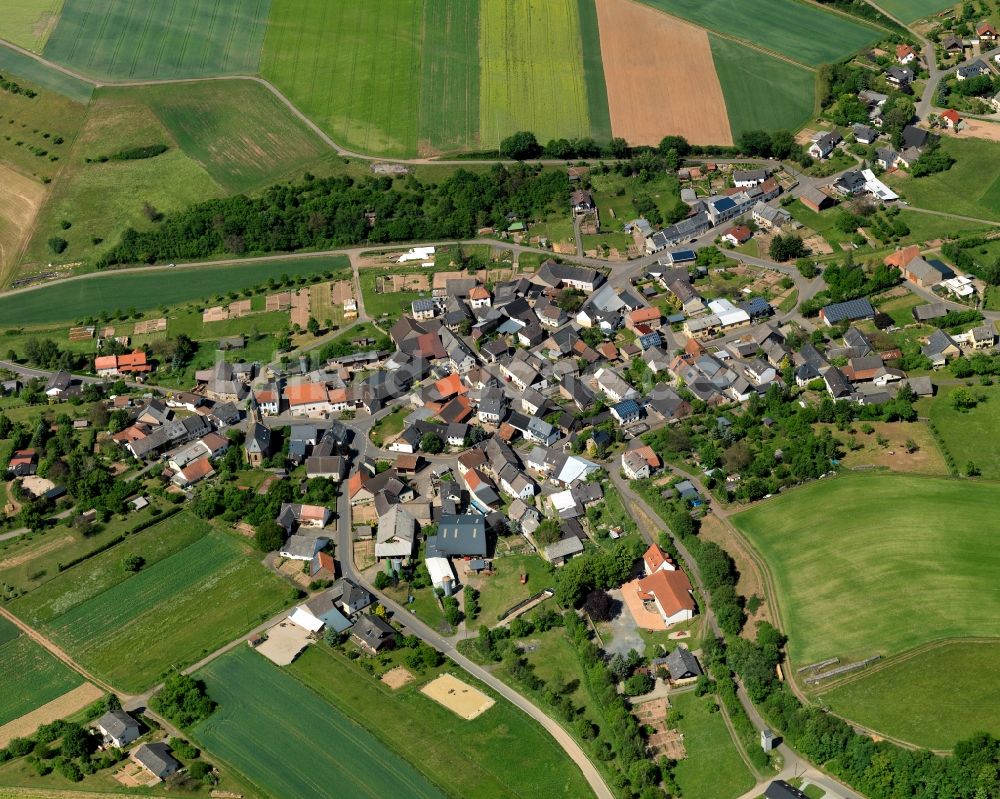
[[532, 72], [177, 39], [879, 564], [154, 288], [970, 188], [242, 134], [28, 23], [971, 435], [910, 10], [713, 768], [289, 742], [354, 72], [30, 676], [801, 31], [762, 92], [593, 71], [918, 701], [198, 590], [449, 82], [459, 755], [18, 65]]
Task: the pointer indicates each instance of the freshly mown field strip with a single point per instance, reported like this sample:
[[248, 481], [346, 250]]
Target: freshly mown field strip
[[28, 23], [935, 698], [20, 199], [660, 75], [30, 677], [289, 742], [102, 200], [61, 707], [878, 564], [761, 92], [970, 188], [152, 288], [593, 71], [910, 10], [201, 590], [713, 769], [164, 39], [972, 435], [456, 754], [17, 65], [8, 631], [532, 75], [353, 68], [242, 135], [449, 83], [801, 31]]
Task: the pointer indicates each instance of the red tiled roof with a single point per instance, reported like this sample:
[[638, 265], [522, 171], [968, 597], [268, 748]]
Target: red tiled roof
[[644, 315], [672, 591], [196, 470], [450, 386], [902, 257], [655, 557], [105, 362], [305, 393]]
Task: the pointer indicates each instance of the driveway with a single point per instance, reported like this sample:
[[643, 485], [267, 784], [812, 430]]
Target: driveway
[[624, 635]]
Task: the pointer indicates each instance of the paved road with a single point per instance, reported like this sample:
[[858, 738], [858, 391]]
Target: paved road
[[418, 628]]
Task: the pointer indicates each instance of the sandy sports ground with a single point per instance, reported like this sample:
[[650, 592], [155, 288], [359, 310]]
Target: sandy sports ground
[[397, 677], [660, 76], [59, 708], [459, 697]]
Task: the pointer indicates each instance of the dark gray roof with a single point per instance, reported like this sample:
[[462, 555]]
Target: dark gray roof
[[156, 757], [779, 789], [116, 722], [852, 309], [681, 663], [458, 535], [373, 630]]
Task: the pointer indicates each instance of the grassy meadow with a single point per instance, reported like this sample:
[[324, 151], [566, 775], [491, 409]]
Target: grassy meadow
[[713, 768], [762, 92], [802, 32], [30, 676], [29, 23], [911, 10], [879, 564], [532, 75], [459, 755], [179, 39], [238, 131], [198, 590], [905, 697], [354, 72], [970, 435], [21, 67], [280, 735]]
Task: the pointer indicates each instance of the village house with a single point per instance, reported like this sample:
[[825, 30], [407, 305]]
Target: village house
[[823, 143], [117, 728], [639, 463], [128, 364]]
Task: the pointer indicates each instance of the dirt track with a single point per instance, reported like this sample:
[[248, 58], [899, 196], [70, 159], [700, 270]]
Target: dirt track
[[59, 708], [660, 76]]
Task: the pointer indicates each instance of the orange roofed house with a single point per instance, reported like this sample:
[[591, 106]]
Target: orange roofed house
[[128, 364], [650, 317], [308, 399], [663, 597]]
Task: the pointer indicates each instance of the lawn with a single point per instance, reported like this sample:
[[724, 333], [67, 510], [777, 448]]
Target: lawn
[[179, 39], [762, 92], [449, 81], [593, 72], [17, 65], [901, 308], [389, 425], [970, 188], [459, 755], [908, 11], [242, 135], [30, 677], [355, 73], [927, 227], [102, 200], [973, 434], [905, 698], [927, 458], [199, 590], [278, 733], [614, 197], [800, 31], [878, 563], [532, 72], [28, 23], [391, 304], [713, 768], [502, 590], [30, 128], [153, 288]]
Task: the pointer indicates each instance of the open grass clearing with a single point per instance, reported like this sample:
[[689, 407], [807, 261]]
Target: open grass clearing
[[908, 11], [503, 589], [389, 426], [970, 435], [354, 72], [532, 74], [29, 23], [713, 768], [911, 699], [459, 755], [276, 731], [19, 66], [30, 677], [801, 31], [151, 288], [926, 459], [179, 39], [878, 564]]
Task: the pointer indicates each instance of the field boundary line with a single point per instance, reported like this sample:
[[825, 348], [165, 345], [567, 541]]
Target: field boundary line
[[866, 23]]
